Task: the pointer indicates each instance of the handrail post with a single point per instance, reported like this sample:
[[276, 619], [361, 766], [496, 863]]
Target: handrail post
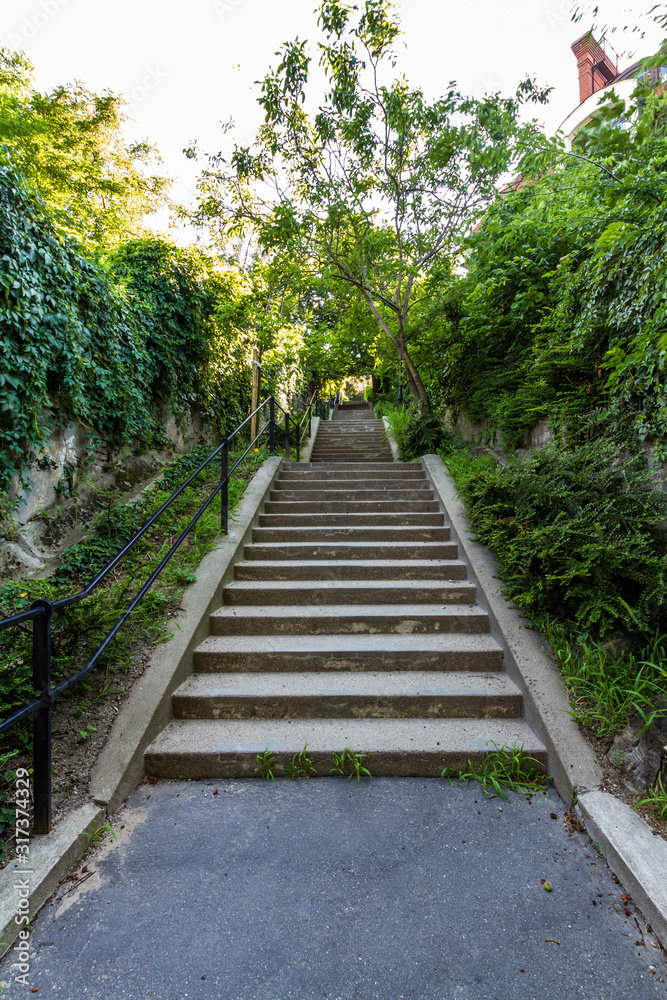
[[272, 425], [299, 432], [310, 419], [41, 720], [287, 442], [224, 492]]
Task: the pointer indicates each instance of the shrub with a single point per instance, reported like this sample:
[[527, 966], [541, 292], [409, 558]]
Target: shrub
[[578, 533]]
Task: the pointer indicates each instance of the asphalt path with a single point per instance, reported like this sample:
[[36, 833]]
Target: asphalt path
[[386, 889]]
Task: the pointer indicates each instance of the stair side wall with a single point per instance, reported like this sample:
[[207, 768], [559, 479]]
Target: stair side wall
[[571, 761], [148, 710]]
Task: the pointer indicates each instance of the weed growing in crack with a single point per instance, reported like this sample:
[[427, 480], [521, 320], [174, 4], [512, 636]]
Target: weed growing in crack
[[96, 835], [301, 765], [656, 797], [265, 764], [504, 769], [349, 763]]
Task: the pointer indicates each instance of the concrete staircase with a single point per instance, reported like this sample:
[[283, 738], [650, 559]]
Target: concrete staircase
[[351, 623], [352, 435]]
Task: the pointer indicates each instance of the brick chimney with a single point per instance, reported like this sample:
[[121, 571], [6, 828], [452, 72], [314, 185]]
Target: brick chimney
[[596, 66]]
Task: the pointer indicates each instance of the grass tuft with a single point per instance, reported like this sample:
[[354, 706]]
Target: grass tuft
[[504, 769]]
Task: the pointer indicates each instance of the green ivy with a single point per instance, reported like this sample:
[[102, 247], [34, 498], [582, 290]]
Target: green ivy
[[106, 341]]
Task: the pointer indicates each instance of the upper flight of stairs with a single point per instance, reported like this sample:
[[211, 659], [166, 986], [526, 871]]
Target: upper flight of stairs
[[350, 623], [352, 435]]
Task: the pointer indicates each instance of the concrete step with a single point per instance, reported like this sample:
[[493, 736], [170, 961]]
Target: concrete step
[[388, 695], [342, 447], [358, 442], [360, 652], [315, 458], [351, 452], [339, 619], [394, 519], [298, 489], [395, 468], [351, 569], [318, 592], [361, 507], [362, 459], [350, 550], [359, 427], [346, 533], [334, 494], [297, 474], [211, 748]]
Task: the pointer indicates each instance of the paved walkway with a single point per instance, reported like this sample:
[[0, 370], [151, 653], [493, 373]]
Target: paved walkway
[[391, 889]]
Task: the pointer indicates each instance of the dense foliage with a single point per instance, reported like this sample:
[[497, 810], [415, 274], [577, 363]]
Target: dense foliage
[[104, 342], [578, 532], [561, 315], [69, 145], [102, 322], [378, 185]]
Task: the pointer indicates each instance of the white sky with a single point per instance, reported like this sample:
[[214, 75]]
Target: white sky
[[187, 66]]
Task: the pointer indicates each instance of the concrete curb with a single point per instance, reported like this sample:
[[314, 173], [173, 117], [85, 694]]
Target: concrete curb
[[637, 857], [50, 859], [120, 768], [390, 439], [310, 443]]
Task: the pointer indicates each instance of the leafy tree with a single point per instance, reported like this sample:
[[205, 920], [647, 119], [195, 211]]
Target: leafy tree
[[379, 185], [69, 147], [561, 315]]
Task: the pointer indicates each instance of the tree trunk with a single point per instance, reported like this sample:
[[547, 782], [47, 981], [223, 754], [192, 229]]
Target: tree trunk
[[415, 383], [256, 371]]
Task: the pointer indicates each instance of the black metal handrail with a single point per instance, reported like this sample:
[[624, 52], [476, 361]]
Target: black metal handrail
[[41, 612], [313, 409]]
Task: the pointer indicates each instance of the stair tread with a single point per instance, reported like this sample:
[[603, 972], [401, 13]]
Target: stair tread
[[353, 546], [353, 466], [424, 642], [334, 486], [344, 534], [243, 585], [361, 507], [403, 611], [338, 495], [198, 737], [350, 519], [353, 563], [451, 684]]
